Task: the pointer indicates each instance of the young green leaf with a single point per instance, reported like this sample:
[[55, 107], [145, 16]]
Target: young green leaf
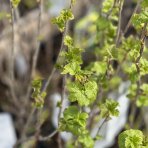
[[73, 120], [15, 3], [109, 108], [131, 139]]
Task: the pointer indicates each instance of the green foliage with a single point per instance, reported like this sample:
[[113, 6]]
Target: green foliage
[[131, 139], [143, 66], [72, 57], [84, 94], [132, 91], [132, 73], [139, 19], [87, 86], [99, 68], [142, 101], [107, 5], [144, 88], [73, 121], [109, 108], [60, 21], [144, 4], [37, 95], [86, 140], [15, 3]]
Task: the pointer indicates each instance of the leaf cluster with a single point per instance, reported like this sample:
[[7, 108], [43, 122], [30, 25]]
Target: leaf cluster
[[132, 139]]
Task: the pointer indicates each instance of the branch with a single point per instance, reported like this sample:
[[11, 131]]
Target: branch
[[119, 23], [133, 110], [61, 48], [129, 22], [49, 78], [36, 52], [104, 121], [41, 138], [12, 92]]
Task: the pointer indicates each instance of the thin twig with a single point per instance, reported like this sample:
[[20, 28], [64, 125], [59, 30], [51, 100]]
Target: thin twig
[[13, 37], [12, 92], [110, 11], [119, 23], [33, 70], [49, 136], [60, 110], [36, 52], [41, 138], [62, 96], [27, 123], [129, 22], [104, 121], [61, 48], [50, 76], [133, 110]]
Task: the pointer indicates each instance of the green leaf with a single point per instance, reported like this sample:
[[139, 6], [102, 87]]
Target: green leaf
[[109, 108], [99, 67], [60, 21], [68, 41], [139, 19], [144, 88], [73, 120], [86, 140], [144, 4], [132, 91], [143, 66], [142, 101], [15, 3], [107, 5], [71, 68], [84, 94], [132, 72], [37, 95], [131, 139]]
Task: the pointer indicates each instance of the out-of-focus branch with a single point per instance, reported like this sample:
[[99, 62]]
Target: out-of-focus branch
[[12, 92], [36, 52], [129, 22], [119, 23], [133, 110]]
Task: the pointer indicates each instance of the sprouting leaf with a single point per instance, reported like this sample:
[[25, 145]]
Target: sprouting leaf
[[132, 72], [73, 120], [144, 88], [71, 68], [86, 140], [142, 101], [143, 66], [84, 94], [99, 67], [15, 3], [109, 108], [132, 91], [68, 41], [37, 95], [107, 5], [131, 139], [60, 21], [139, 19]]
